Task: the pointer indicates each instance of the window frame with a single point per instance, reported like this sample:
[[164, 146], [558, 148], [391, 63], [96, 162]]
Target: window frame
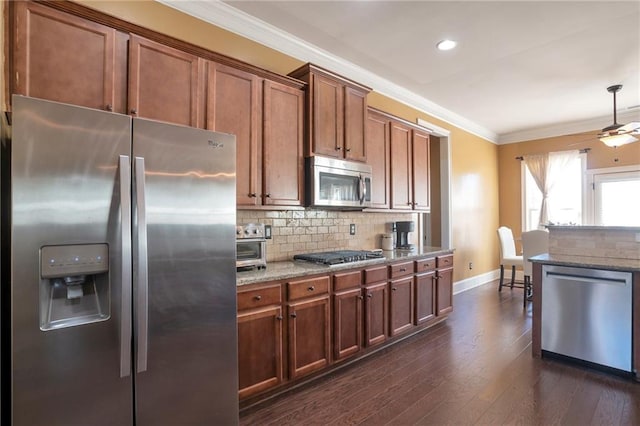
[[590, 186]]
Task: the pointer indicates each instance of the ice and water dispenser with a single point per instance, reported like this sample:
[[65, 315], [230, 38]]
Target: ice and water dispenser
[[74, 285]]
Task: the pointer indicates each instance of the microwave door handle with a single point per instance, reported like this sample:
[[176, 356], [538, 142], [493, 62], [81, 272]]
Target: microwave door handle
[[363, 190]]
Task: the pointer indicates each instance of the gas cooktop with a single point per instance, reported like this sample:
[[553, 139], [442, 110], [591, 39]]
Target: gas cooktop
[[340, 256]]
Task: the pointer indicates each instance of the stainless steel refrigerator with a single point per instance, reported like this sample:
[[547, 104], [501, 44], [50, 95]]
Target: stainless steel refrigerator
[[122, 270]]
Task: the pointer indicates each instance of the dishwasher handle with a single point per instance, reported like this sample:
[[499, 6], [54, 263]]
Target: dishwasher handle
[[582, 278]]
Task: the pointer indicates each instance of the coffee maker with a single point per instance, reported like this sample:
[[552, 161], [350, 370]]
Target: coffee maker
[[402, 235]]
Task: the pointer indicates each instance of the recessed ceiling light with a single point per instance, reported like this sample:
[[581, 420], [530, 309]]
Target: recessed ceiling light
[[446, 45]]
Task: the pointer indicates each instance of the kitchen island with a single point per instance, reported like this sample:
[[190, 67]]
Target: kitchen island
[[611, 251]]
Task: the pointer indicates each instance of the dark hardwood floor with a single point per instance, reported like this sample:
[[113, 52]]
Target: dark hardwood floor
[[475, 368]]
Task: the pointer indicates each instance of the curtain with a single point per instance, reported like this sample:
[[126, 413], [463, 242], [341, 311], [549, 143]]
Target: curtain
[[546, 170]]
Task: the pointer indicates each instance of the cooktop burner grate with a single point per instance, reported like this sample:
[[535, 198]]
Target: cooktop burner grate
[[339, 256]]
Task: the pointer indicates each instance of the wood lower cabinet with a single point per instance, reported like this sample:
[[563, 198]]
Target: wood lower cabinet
[[425, 297], [401, 305], [65, 58], [308, 326], [444, 291], [376, 322], [165, 84], [260, 339], [347, 323], [259, 350]]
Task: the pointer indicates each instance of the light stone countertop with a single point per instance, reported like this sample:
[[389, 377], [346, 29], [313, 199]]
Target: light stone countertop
[[610, 263], [297, 268]]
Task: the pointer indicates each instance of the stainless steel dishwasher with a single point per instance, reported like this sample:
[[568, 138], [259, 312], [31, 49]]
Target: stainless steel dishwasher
[[587, 314]]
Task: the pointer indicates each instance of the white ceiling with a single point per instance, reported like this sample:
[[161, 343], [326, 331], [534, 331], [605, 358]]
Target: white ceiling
[[521, 69]]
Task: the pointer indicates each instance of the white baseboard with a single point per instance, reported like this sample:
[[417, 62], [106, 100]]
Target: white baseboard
[[478, 280]]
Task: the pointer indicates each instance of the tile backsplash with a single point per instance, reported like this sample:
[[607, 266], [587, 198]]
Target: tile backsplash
[[304, 231], [595, 242]]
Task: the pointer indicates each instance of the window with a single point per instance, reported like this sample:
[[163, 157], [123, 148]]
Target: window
[[615, 200], [564, 201]]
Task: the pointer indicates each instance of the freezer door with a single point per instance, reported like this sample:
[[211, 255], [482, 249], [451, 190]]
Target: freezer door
[[185, 337], [71, 344]]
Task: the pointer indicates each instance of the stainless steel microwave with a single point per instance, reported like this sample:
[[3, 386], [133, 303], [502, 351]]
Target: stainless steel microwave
[[338, 183]]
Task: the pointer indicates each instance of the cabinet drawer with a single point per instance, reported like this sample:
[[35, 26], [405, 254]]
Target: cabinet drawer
[[425, 265], [375, 275], [308, 288], [401, 269], [347, 280], [445, 261], [259, 297]]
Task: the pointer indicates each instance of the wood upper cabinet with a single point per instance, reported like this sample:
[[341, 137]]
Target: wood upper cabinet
[[401, 167], [283, 155], [308, 326], [234, 105], [260, 339], [336, 111], [421, 171], [378, 158], [65, 58], [165, 84]]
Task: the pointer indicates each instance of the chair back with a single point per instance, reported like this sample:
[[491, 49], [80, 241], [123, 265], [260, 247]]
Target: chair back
[[533, 243], [507, 244]]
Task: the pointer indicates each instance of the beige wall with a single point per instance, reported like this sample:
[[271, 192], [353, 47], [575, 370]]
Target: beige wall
[[474, 160], [600, 156]]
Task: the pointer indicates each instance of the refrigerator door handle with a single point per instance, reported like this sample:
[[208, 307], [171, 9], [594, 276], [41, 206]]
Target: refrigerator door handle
[[125, 302], [142, 280]]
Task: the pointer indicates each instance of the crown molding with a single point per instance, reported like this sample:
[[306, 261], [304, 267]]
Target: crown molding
[[568, 128], [231, 19]]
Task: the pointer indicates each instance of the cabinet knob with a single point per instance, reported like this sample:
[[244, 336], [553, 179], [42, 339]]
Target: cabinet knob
[[109, 107], [293, 315], [311, 288], [348, 150], [403, 269], [258, 297], [134, 111], [267, 195], [252, 195], [394, 288], [279, 317], [369, 295], [360, 297], [338, 148]]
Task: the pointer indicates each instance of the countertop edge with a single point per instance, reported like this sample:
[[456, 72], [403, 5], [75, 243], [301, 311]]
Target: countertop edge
[[607, 263], [287, 269]]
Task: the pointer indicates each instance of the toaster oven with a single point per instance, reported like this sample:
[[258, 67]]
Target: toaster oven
[[251, 246]]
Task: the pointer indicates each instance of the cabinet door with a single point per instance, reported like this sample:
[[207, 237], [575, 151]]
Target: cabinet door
[[308, 336], [401, 174], [234, 106], [401, 305], [376, 313], [283, 161], [347, 323], [64, 58], [425, 297], [328, 117], [378, 159], [355, 113], [421, 175], [164, 83], [444, 290], [259, 350]]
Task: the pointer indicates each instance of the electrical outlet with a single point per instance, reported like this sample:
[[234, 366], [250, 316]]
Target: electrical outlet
[[470, 265], [267, 232], [352, 229]]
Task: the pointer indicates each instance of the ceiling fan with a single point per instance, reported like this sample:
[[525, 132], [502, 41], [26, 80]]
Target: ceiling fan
[[618, 134]]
